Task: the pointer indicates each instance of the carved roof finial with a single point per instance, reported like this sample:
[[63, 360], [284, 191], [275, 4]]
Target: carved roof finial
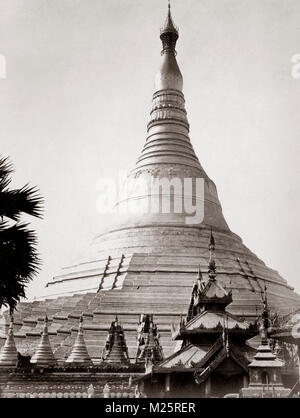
[[212, 261], [264, 316], [211, 245]]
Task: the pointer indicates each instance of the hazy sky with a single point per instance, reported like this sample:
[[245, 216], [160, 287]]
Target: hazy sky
[[76, 100]]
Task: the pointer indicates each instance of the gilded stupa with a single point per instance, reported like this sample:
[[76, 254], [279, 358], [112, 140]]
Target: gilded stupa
[[148, 262]]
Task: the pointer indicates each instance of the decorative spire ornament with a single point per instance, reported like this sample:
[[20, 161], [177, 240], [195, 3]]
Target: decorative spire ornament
[[265, 316], [206, 294], [212, 261], [200, 279], [169, 34], [169, 76]]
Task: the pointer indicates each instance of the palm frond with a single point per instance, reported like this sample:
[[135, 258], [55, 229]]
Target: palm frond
[[5, 171], [25, 200], [6, 167], [15, 202], [19, 262]]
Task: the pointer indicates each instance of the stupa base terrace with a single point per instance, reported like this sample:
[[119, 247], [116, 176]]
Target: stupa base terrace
[[127, 284]]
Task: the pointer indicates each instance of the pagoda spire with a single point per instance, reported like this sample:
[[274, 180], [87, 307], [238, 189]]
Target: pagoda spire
[[212, 258], [169, 76], [43, 355], [169, 33], [149, 348], [115, 350], [9, 353], [79, 353], [264, 316], [208, 295], [168, 152]]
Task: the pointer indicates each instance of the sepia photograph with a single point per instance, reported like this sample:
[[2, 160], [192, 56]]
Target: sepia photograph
[[149, 202]]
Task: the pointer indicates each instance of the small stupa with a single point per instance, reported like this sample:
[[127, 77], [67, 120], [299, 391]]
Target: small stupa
[[43, 355], [79, 353], [9, 353]]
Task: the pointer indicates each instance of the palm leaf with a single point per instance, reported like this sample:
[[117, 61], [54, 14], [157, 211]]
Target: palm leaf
[[15, 202], [19, 261]]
